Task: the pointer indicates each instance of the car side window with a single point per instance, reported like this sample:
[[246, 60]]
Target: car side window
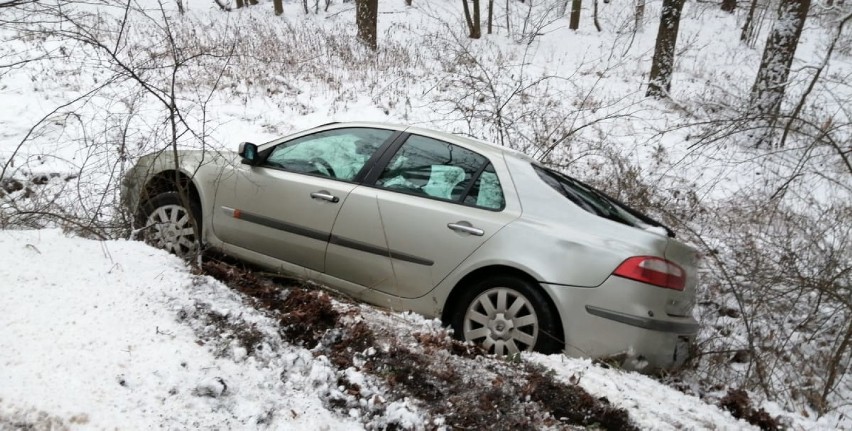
[[339, 153], [486, 191], [429, 167]]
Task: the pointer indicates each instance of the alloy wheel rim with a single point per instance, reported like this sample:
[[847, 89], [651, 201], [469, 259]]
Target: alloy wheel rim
[[170, 228], [502, 320]]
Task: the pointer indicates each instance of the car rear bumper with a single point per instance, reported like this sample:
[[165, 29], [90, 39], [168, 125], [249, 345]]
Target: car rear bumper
[[623, 320]]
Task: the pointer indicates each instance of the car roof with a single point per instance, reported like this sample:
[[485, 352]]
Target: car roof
[[474, 144]]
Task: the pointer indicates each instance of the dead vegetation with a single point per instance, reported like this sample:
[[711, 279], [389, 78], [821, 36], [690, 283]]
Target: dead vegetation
[[452, 381], [36, 420], [738, 403]]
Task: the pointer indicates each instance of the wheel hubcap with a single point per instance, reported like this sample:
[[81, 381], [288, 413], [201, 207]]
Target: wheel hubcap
[[170, 228], [502, 320]]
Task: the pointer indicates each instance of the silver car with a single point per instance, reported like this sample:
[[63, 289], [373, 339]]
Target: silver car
[[510, 254]]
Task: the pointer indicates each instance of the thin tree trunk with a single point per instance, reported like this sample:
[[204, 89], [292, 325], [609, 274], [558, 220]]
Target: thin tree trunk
[[595, 16], [729, 5], [748, 25], [366, 18], [639, 15], [508, 24], [240, 4], [770, 84], [473, 24], [662, 65], [279, 6], [574, 22], [490, 15]]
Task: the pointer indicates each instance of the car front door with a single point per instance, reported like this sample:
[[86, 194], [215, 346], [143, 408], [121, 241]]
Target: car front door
[[285, 206], [437, 203]]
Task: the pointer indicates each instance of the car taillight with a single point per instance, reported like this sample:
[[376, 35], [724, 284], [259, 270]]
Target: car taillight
[[653, 270]]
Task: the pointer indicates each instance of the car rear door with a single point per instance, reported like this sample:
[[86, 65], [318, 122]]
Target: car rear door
[[437, 202], [285, 207]]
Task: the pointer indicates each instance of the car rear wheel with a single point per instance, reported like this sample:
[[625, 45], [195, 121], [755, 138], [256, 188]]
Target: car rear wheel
[[506, 316], [169, 225]]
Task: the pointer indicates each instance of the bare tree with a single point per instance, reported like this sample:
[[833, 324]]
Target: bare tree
[[490, 15], [574, 22], [748, 25], [639, 15], [664, 51], [771, 81], [473, 25], [367, 17], [595, 15]]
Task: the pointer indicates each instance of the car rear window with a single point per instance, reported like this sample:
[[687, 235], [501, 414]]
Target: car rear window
[[595, 201]]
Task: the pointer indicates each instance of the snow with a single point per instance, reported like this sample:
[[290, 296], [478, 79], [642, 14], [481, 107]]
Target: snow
[[91, 334], [650, 404], [101, 334]]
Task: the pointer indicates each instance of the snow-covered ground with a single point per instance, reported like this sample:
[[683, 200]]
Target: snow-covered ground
[[99, 335], [106, 334]]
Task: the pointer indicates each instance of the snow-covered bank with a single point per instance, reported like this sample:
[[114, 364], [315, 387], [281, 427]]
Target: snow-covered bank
[[90, 334], [113, 334]]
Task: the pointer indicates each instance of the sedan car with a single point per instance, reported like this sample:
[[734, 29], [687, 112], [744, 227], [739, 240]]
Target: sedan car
[[511, 254]]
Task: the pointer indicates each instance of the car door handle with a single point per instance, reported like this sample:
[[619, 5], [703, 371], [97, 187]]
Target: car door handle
[[326, 196], [465, 227]]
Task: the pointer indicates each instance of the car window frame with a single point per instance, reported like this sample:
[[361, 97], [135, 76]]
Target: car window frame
[[378, 168], [264, 154]]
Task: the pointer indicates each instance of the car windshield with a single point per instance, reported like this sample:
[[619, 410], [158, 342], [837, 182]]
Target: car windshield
[[595, 201]]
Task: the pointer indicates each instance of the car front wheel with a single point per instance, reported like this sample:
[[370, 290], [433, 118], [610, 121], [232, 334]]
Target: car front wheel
[[169, 225], [507, 315]]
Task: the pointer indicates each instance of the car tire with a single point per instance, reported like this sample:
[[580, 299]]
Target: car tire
[[507, 315], [166, 224]]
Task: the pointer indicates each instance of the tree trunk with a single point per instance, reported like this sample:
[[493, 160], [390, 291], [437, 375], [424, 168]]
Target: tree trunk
[[729, 5], [662, 65], [279, 6], [639, 15], [574, 22], [768, 90], [508, 23], [367, 18], [408, 2], [490, 15], [240, 4], [473, 24], [748, 25], [595, 16]]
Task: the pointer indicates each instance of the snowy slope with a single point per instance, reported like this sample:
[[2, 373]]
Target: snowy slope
[[90, 334], [99, 335]]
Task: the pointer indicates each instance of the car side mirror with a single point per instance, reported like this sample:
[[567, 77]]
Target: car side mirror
[[248, 152]]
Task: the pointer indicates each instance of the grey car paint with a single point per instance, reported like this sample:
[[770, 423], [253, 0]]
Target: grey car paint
[[399, 251]]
